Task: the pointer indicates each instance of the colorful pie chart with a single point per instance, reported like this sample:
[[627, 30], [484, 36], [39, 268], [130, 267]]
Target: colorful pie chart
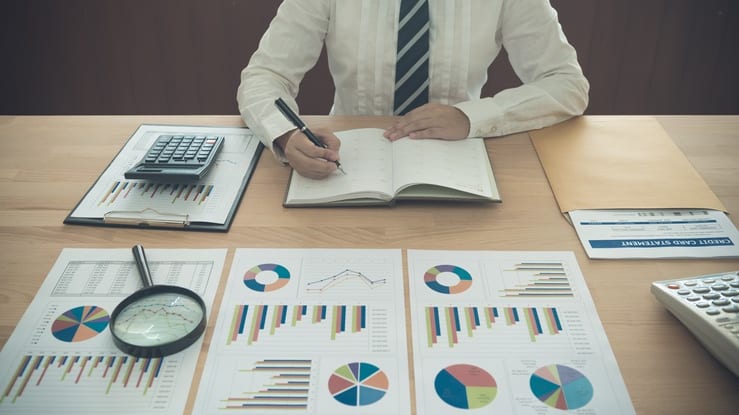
[[433, 278], [358, 384], [465, 386], [561, 387], [80, 323], [251, 277]]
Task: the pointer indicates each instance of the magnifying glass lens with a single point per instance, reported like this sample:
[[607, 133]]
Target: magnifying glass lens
[[158, 319]]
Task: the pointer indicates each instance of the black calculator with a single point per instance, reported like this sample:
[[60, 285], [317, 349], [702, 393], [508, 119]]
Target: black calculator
[[178, 157]]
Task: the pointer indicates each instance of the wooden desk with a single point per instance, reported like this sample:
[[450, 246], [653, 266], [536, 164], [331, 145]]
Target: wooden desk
[[47, 164]]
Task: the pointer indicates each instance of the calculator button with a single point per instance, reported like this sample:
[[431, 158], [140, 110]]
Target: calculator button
[[721, 302], [713, 312], [720, 287], [690, 283], [701, 290], [711, 296], [730, 293], [683, 292], [702, 304], [693, 298], [731, 309]]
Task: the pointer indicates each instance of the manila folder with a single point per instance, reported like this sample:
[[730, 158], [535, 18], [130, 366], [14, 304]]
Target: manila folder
[[624, 162]]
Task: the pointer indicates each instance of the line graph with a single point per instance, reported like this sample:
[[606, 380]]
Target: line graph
[[344, 278]]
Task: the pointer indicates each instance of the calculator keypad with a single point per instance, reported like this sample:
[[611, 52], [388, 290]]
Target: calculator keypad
[[178, 157], [181, 149], [717, 295], [708, 305]]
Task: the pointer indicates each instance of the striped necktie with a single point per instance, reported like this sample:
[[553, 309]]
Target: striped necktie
[[412, 67]]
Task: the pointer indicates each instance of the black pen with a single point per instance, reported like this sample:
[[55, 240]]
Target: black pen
[[290, 115]]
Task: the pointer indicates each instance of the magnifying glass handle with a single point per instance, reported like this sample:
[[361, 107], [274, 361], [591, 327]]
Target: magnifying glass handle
[[142, 265]]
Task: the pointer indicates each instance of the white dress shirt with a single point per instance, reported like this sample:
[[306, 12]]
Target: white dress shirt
[[466, 35]]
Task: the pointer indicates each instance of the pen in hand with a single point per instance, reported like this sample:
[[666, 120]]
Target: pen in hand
[[290, 115]]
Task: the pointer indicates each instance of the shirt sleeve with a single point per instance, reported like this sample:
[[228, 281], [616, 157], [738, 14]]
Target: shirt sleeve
[[288, 49], [554, 87]]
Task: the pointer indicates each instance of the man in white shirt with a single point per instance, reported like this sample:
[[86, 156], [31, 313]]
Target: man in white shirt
[[360, 38]]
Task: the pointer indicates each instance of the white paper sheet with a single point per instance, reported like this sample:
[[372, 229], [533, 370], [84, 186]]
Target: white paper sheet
[[61, 358], [656, 233], [309, 331], [508, 333]]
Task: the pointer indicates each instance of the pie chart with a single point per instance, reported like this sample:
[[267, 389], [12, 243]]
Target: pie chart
[[465, 386], [561, 387], [461, 279], [80, 323], [358, 384], [280, 274]]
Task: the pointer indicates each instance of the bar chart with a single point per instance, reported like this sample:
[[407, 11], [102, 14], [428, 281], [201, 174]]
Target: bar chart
[[536, 279], [40, 379], [316, 325], [449, 325], [132, 191], [277, 385]]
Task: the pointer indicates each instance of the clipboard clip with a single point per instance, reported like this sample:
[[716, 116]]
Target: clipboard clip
[[147, 217]]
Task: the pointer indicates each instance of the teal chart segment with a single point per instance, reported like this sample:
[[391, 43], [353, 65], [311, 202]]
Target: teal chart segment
[[465, 386], [561, 387], [432, 277], [358, 384], [251, 281], [80, 323]]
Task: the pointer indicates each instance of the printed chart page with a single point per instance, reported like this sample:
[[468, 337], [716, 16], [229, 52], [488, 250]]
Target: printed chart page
[[309, 331], [207, 200], [509, 333], [61, 358]]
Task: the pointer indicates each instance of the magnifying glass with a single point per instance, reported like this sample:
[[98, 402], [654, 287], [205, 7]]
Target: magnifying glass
[[157, 320]]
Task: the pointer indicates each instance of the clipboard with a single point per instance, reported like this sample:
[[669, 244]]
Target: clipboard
[[207, 205], [626, 162]]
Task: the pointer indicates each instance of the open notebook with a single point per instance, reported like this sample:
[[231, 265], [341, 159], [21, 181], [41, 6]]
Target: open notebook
[[378, 171]]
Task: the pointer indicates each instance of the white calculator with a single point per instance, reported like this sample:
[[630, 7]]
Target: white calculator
[[709, 306]]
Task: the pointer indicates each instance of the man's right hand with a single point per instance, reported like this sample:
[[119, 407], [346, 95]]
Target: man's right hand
[[308, 159]]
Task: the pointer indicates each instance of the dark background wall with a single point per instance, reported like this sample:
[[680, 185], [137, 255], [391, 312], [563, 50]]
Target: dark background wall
[[185, 56]]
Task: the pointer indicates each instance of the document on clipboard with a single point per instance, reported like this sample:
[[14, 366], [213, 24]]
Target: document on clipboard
[[207, 204], [630, 192]]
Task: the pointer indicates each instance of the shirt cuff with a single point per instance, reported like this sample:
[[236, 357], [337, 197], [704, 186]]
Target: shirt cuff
[[485, 117], [274, 126]]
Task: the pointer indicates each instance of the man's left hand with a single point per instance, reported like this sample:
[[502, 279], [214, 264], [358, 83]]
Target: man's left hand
[[431, 120]]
